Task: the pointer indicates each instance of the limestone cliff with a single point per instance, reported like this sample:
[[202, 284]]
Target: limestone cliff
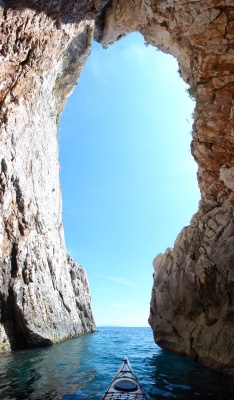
[[192, 304], [44, 295], [44, 47]]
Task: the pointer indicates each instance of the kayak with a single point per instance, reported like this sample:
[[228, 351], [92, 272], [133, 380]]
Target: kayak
[[125, 385]]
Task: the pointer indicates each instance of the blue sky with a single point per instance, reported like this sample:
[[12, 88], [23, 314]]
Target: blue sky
[[128, 178]]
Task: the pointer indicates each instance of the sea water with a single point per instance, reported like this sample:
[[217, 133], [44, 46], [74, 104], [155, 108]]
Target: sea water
[[83, 367]]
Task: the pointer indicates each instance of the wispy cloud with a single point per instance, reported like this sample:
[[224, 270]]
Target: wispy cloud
[[117, 279], [119, 305], [73, 253], [187, 166], [135, 52]]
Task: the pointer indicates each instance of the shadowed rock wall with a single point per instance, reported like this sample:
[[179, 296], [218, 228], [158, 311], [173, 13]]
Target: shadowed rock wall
[[44, 295], [44, 49]]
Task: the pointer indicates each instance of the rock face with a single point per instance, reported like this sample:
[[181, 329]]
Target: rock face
[[44, 295], [192, 297], [192, 304], [44, 47]]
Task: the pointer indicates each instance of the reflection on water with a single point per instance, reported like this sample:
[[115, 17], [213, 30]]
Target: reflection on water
[[45, 373], [83, 367], [177, 377]]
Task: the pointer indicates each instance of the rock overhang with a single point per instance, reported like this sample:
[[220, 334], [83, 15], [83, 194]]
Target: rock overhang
[[44, 50]]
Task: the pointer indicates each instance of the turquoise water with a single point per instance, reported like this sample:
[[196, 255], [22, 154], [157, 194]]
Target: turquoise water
[[84, 366]]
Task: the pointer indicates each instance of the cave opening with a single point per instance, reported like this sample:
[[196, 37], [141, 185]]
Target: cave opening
[[127, 174]]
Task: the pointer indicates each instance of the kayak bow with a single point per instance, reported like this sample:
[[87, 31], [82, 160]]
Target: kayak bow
[[124, 385]]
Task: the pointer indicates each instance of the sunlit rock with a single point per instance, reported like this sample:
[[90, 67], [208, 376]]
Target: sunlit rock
[[44, 48]]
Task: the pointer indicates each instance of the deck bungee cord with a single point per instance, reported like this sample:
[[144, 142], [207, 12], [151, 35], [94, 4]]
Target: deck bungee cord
[[124, 385]]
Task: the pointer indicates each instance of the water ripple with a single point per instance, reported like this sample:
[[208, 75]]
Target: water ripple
[[83, 367]]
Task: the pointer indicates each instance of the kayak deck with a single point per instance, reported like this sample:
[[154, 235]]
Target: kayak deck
[[124, 396], [124, 386]]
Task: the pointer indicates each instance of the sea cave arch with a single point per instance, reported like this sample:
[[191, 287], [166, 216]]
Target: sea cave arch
[[44, 294], [128, 177]]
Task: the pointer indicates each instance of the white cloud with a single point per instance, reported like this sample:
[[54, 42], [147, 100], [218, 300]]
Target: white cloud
[[187, 166], [119, 305], [135, 52], [117, 279], [73, 253]]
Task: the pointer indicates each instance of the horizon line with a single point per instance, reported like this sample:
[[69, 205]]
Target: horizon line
[[123, 326]]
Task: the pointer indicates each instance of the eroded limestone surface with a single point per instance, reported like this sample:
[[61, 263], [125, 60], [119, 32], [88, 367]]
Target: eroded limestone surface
[[44, 47], [192, 305], [44, 295]]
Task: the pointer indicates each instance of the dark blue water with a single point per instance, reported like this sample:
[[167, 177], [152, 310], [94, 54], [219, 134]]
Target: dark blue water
[[83, 367]]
